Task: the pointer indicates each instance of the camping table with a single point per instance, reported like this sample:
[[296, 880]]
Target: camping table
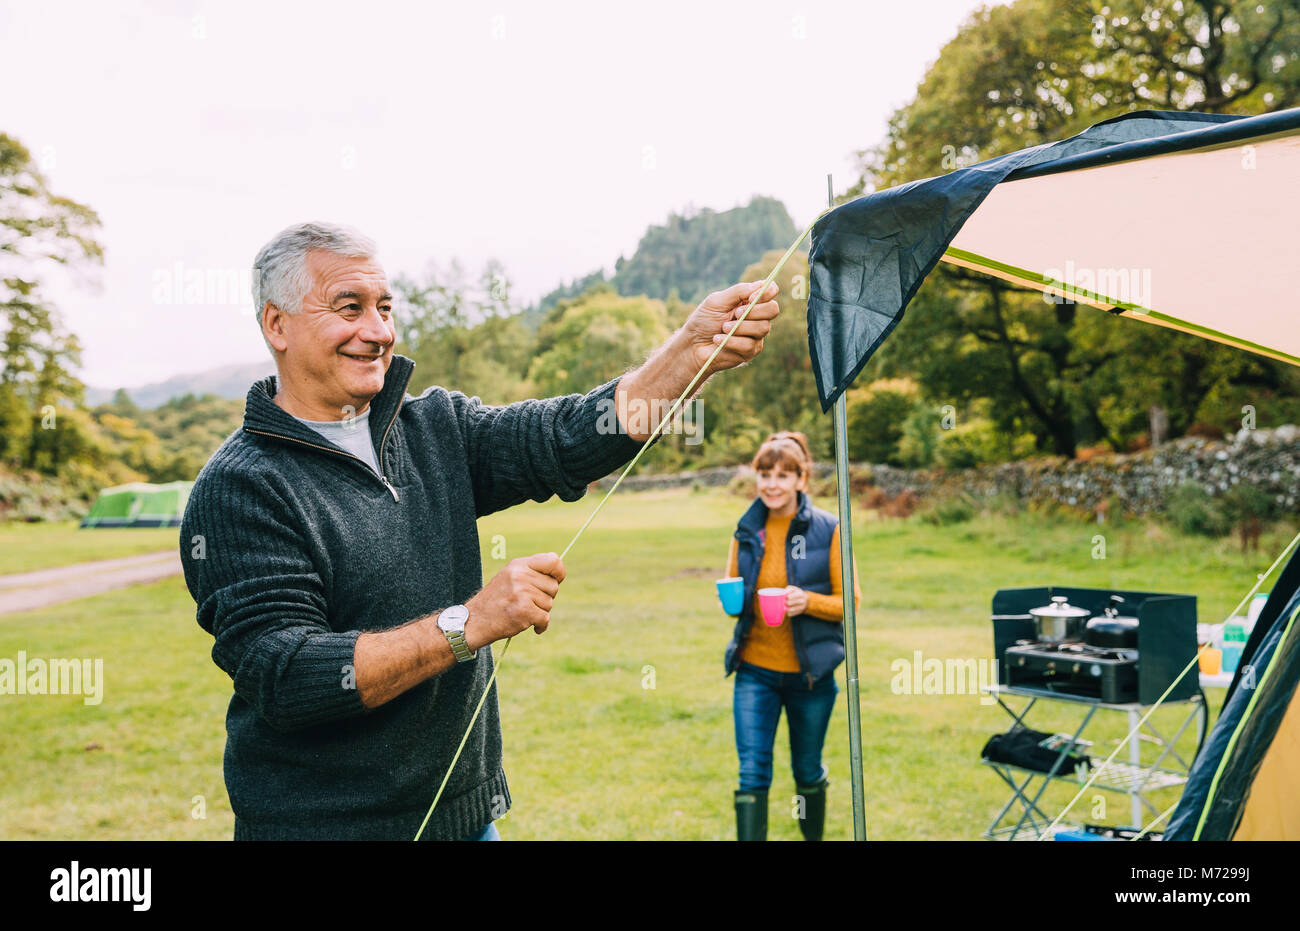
[[1133, 778]]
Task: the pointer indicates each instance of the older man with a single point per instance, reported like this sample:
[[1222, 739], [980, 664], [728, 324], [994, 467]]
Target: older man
[[331, 548]]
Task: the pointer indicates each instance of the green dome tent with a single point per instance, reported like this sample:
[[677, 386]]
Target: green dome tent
[[140, 504]]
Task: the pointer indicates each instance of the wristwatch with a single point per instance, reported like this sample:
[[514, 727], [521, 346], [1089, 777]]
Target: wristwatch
[[451, 621]]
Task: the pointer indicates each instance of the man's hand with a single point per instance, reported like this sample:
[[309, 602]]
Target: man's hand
[[389, 662], [673, 366], [516, 598], [796, 601], [718, 314]]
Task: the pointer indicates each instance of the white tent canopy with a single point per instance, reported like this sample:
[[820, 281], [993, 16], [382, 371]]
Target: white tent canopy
[[1202, 240]]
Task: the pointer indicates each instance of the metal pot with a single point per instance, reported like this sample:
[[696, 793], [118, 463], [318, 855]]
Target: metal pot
[[1059, 621], [1112, 630]]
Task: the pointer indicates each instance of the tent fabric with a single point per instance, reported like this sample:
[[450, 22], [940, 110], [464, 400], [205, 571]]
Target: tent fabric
[[1270, 811], [1131, 193], [1241, 785], [1287, 581], [139, 504], [1203, 204]]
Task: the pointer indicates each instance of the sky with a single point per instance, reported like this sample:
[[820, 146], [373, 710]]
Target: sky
[[546, 136]]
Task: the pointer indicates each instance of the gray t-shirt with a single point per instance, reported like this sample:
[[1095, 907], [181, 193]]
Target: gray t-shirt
[[352, 435]]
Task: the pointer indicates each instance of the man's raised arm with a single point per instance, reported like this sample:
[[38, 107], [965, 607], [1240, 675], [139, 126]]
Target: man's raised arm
[[521, 595], [652, 388], [557, 446]]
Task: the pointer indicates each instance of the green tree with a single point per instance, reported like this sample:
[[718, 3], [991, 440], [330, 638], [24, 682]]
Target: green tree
[[876, 416], [695, 254], [39, 230], [55, 390], [172, 441], [462, 336], [593, 338], [564, 292], [777, 390], [1040, 70]]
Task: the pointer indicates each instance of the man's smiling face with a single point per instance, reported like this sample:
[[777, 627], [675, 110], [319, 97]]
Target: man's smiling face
[[337, 349]]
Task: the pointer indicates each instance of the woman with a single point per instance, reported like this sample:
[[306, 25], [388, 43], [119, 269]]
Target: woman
[[783, 541]]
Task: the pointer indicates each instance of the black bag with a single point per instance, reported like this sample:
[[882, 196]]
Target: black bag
[[1025, 747]]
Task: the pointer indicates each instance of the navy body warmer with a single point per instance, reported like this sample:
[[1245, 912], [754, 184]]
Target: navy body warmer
[[819, 644]]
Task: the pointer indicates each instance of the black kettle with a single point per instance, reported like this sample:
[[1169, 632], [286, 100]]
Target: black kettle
[[1112, 630]]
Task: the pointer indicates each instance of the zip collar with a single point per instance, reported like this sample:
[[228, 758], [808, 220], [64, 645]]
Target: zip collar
[[266, 418]]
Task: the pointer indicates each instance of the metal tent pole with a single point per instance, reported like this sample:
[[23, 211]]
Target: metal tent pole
[[850, 612]]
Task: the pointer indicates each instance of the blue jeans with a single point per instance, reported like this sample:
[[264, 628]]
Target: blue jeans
[[489, 833], [760, 694]]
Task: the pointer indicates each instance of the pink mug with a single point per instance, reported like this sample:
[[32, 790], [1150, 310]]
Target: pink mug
[[771, 601]]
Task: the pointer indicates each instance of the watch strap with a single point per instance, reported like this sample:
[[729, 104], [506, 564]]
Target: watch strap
[[458, 645], [451, 621]]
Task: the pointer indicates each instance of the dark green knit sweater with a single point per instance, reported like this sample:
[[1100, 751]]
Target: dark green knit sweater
[[293, 547]]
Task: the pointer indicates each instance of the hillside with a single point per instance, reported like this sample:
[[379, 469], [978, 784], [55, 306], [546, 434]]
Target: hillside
[[691, 254], [230, 382]]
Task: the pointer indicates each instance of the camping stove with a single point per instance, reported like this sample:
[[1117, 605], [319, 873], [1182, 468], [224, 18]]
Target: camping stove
[[1166, 642], [1074, 668]]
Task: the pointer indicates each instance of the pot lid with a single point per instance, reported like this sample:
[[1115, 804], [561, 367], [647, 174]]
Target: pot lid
[[1060, 607]]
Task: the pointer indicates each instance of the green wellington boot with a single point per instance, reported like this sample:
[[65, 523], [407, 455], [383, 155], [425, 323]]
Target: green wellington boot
[[814, 809], [751, 815]]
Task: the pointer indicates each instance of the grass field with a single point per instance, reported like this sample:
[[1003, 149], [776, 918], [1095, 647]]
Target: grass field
[[592, 752], [27, 547]]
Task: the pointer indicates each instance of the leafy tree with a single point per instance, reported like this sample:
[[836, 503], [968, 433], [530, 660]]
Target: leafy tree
[[176, 438], [1040, 70], [123, 405], [39, 230], [564, 292], [687, 257], [700, 253], [876, 415], [777, 390], [464, 337], [593, 338]]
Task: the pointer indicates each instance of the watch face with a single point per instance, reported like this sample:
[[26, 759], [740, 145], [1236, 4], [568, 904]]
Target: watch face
[[453, 617]]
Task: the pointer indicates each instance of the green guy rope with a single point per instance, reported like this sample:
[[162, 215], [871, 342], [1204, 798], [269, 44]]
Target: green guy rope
[[1160, 817]]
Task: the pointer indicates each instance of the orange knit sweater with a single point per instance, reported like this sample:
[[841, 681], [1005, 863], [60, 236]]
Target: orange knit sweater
[[773, 647]]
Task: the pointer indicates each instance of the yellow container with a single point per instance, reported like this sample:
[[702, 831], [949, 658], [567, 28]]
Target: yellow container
[[1210, 659]]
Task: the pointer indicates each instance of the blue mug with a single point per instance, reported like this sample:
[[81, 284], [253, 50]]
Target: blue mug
[[732, 593]]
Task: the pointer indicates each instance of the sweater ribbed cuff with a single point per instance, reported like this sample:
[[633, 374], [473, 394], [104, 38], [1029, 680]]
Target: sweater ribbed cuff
[[319, 684]]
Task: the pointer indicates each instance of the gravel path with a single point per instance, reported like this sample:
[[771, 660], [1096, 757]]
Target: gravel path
[[25, 591]]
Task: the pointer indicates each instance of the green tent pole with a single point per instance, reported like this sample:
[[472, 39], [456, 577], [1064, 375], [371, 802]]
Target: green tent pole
[[850, 612]]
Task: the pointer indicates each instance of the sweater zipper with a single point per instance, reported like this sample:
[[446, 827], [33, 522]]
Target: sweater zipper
[[337, 452], [383, 441]]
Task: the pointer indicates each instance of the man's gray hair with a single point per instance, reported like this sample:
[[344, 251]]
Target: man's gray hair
[[280, 269]]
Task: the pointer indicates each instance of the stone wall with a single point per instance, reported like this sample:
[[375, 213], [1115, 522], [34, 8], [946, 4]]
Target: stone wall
[[1269, 459]]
